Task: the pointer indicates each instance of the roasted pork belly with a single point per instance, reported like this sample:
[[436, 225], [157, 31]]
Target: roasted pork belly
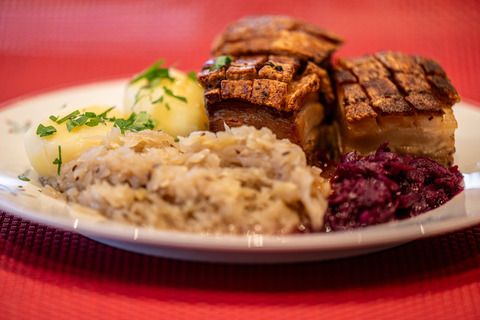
[[263, 92], [276, 35], [270, 72], [396, 98]]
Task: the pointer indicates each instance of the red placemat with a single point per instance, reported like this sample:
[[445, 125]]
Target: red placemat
[[46, 273]]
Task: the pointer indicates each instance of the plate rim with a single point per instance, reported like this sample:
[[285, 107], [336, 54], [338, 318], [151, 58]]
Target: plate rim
[[250, 242]]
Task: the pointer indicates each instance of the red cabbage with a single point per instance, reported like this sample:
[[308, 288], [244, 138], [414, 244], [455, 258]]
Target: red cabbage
[[386, 186]]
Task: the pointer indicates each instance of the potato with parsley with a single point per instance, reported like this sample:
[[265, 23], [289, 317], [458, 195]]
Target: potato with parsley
[[61, 138], [173, 98]]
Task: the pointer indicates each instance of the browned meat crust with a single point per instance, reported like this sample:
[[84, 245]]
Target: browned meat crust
[[276, 35], [284, 94], [278, 76], [388, 83], [282, 83], [401, 99], [275, 77]]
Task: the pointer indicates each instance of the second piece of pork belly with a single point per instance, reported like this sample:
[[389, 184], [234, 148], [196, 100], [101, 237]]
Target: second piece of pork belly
[[396, 98]]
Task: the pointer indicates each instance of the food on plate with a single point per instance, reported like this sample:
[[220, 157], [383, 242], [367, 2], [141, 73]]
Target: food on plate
[[396, 98], [261, 91], [385, 186], [158, 98], [173, 98], [61, 138], [238, 181], [276, 106], [271, 72]]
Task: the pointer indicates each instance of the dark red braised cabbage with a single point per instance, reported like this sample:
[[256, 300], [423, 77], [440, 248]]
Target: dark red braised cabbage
[[386, 186]]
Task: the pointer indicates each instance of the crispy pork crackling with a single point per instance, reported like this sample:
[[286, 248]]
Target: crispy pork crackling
[[397, 98], [273, 75]]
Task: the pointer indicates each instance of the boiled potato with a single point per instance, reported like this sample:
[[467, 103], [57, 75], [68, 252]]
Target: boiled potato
[[160, 98], [43, 150], [173, 99]]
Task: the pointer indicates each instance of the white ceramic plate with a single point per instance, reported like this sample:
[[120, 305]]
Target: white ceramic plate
[[25, 199]]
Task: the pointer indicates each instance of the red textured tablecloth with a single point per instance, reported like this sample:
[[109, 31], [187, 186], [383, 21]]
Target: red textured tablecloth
[[51, 274]]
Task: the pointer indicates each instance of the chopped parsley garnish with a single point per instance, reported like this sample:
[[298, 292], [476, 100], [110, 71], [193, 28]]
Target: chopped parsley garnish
[[58, 160], [154, 73], [192, 75], [142, 121], [158, 100], [138, 96], [123, 124], [75, 119], [136, 122], [221, 62], [103, 115], [44, 131], [169, 92], [68, 117], [23, 178], [93, 122], [76, 122]]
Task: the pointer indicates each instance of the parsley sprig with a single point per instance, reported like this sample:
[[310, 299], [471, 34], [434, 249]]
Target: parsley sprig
[[69, 116], [221, 62], [75, 119], [136, 122], [90, 119], [192, 75], [153, 74], [170, 93], [23, 177], [43, 131], [58, 161], [159, 100]]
